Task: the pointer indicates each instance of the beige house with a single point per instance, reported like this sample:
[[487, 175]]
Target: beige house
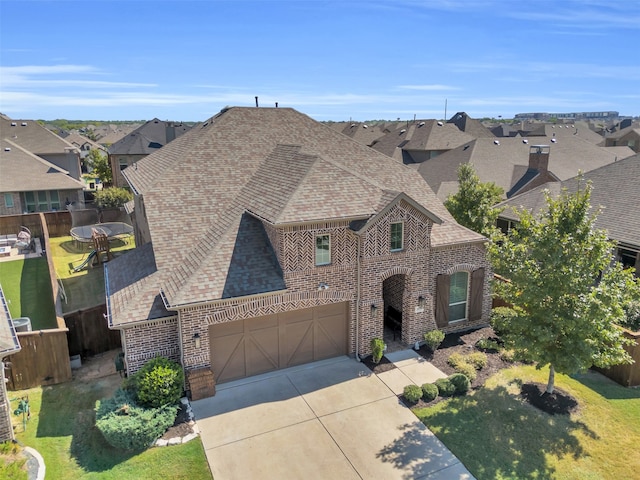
[[277, 241]]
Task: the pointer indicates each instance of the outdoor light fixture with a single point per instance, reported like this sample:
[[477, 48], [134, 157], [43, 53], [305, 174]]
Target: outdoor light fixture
[[323, 286], [374, 309], [421, 301], [196, 338]]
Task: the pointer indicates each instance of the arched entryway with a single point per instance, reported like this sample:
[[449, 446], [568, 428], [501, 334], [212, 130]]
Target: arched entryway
[[393, 292]]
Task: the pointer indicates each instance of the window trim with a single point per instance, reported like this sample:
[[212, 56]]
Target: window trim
[[401, 223], [316, 249]]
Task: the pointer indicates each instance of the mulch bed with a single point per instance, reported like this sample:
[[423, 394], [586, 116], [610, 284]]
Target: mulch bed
[[556, 403], [181, 426], [384, 365]]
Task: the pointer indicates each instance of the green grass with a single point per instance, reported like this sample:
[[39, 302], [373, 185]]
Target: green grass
[[497, 436], [12, 464], [83, 289], [27, 288], [62, 428]]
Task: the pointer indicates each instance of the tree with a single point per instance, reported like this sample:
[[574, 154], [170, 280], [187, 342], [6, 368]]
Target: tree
[[473, 204], [567, 293], [100, 165], [113, 197]]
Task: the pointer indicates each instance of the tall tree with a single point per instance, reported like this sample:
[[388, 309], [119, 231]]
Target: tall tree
[[473, 204], [99, 163], [567, 292]]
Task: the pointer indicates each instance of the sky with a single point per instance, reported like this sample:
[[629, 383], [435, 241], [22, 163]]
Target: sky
[[332, 60]]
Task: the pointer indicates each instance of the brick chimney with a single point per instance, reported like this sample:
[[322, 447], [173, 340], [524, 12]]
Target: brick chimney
[[539, 157]]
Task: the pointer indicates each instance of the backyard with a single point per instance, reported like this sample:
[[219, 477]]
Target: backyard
[[85, 288], [497, 435], [27, 288], [62, 430]]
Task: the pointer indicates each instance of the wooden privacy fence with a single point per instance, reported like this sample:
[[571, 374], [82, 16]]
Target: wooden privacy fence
[[43, 360], [627, 375], [89, 333]]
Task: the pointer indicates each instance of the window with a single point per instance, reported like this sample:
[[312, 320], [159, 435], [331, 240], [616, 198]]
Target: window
[[123, 163], [459, 283], [8, 200], [30, 202], [55, 200], [396, 236], [323, 250], [43, 202]]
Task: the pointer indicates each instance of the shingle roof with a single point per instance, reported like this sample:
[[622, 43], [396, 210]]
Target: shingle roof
[[22, 171], [616, 189], [279, 165], [506, 162], [470, 125], [33, 137], [148, 138], [421, 135]]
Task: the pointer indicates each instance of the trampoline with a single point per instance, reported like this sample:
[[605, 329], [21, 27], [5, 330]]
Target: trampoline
[[112, 230]]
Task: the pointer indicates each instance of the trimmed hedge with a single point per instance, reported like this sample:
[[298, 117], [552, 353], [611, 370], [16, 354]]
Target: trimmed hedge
[[460, 382], [377, 349], [159, 382], [467, 370], [127, 426], [445, 387], [433, 339], [429, 392], [412, 393], [478, 360]]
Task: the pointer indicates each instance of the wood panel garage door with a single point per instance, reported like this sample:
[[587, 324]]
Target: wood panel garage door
[[257, 345]]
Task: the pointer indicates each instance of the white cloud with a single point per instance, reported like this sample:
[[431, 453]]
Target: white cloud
[[429, 88]]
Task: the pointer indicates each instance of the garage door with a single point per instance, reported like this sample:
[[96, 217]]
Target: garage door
[[257, 345]]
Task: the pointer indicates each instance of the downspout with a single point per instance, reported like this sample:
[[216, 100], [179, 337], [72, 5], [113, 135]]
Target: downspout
[[357, 299]]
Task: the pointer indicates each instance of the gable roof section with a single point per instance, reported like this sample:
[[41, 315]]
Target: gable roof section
[[22, 171], [505, 162], [616, 189], [33, 137], [470, 125], [148, 138], [275, 163]]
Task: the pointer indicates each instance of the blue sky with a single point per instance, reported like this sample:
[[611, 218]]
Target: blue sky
[[333, 60]]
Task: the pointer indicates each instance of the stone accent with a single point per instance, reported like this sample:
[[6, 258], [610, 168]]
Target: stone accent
[[201, 383]]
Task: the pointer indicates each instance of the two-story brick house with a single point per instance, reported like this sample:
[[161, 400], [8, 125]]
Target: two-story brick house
[[267, 239]]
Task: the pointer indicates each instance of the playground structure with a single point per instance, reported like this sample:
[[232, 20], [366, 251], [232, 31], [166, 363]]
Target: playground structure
[[101, 250]]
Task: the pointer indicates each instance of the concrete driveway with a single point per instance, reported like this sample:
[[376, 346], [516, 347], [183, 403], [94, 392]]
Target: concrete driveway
[[326, 420]]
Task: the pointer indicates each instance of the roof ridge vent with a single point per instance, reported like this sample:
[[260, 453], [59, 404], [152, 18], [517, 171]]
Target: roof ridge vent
[[13, 124]]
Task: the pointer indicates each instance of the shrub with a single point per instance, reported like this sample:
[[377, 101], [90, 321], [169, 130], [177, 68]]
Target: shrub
[[467, 370], [460, 382], [508, 355], [488, 344], [159, 382], [632, 316], [377, 349], [500, 317], [433, 339], [127, 426], [477, 359], [429, 392], [456, 359], [112, 197], [445, 387], [412, 393]]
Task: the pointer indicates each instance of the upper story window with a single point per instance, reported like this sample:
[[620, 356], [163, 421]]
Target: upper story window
[[323, 250], [397, 236], [123, 163]]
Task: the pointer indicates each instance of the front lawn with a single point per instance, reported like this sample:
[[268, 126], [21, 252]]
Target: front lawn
[[27, 288], [496, 435], [62, 428]]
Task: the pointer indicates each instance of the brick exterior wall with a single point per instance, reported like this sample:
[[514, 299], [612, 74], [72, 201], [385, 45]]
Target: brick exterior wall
[[146, 341], [407, 274], [17, 205]]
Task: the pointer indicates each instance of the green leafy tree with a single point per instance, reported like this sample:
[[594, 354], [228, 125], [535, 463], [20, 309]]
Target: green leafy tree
[[473, 204], [567, 294], [113, 197], [99, 163]]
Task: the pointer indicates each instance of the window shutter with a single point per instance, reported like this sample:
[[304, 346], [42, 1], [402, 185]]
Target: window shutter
[[477, 289], [443, 283]]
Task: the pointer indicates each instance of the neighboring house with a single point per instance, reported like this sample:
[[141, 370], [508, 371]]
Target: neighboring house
[[28, 183], [421, 140], [276, 241], [35, 138], [469, 125], [83, 144], [9, 345], [627, 137], [616, 192], [143, 141], [365, 133], [514, 165], [559, 131]]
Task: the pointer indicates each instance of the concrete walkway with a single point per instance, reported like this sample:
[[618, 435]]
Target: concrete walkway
[[410, 368], [328, 419]]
